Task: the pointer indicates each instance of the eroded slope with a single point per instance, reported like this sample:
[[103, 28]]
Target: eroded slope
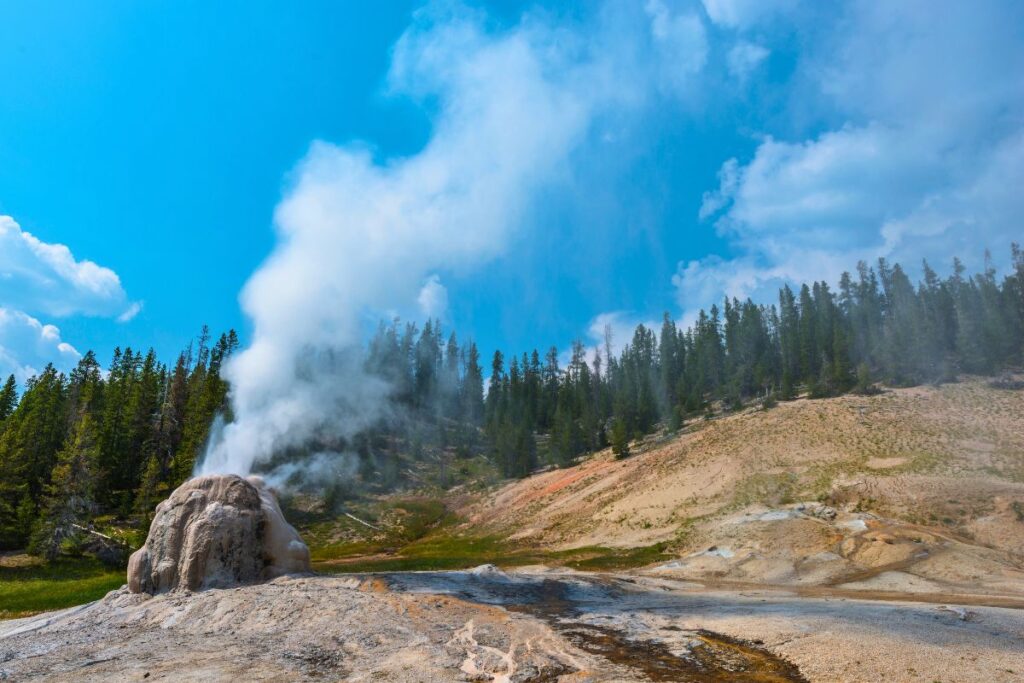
[[911, 490]]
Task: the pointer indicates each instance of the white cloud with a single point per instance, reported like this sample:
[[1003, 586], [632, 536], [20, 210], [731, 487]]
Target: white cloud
[[741, 14], [133, 310], [707, 281], [620, 324], [928, 163], [681, 43], [728, 182], [27, 345], [47, 278], [832, 191], [744, 57], [433, 298], [40, 278]]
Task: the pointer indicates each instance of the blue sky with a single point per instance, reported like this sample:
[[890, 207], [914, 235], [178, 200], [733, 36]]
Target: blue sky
[[526, 171]]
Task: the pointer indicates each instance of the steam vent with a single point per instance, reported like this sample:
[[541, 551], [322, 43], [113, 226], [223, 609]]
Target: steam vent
[[216, 531]]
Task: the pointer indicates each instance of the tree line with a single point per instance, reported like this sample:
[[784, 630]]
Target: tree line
[[90, 443], [877, 326]]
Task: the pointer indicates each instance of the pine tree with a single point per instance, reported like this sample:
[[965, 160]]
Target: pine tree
[[152, 489], [170, 424], [451, 396], [8, 399], [809, 359], [620, 439], [473, 388], [33, 435], [789, 340], [494, 391], [70, 501], [840, 357]]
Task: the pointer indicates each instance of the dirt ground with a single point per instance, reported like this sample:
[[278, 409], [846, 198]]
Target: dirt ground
[[913, 489], [530, 625]]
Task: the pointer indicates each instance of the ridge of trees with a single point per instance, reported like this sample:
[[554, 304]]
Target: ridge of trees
[[877, 326]]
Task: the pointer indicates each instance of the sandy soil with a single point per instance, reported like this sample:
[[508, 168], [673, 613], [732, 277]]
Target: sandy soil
[[923, 485], [532, 625]]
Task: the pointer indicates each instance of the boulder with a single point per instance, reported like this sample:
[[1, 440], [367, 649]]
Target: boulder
[[216, 531]]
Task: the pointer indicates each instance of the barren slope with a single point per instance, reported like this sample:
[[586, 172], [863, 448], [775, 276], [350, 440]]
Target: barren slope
[[911, 490]]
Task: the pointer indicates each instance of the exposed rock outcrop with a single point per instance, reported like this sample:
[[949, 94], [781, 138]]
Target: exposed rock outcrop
[[216, 531]]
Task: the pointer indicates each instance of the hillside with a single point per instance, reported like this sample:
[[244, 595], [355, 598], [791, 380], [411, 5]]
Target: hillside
[[918, 489]]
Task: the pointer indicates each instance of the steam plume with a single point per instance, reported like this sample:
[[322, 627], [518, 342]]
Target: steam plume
[[357, 236]]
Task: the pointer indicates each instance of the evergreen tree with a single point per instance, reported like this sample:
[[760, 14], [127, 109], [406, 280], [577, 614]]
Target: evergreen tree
[[620, 440], [8, 399], [789, 341], [152, 489], [70, 501], [808, 344], [473, 388]]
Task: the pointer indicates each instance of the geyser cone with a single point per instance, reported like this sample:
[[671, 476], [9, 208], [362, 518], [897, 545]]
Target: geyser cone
[[216, 531]]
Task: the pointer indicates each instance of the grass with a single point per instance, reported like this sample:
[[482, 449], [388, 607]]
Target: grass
[[437, 552], [609, 559], [31, 587], [446, 552], [411, 520], [421, 534]]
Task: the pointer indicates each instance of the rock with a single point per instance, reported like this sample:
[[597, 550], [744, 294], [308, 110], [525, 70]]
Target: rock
[[216, 531], [856, 525], [818, 510], [110, 554], [489, 571]]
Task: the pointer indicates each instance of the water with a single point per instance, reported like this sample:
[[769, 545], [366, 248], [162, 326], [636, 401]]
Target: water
[[606, 617]]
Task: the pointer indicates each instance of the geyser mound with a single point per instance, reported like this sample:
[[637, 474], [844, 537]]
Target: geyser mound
[[216, 531]]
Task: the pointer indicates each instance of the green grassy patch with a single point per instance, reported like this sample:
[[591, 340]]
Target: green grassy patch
[[768, 488], [421, 534], [401, 522], [35, 587], [608, 559], [445, 552], [440, 551]]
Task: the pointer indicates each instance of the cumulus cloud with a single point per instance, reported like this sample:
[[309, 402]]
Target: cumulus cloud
[[47, 279], [926, 163], [27, 345]]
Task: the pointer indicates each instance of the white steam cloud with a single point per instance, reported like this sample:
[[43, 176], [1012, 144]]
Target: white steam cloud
[[433, 298], [357, 236]]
